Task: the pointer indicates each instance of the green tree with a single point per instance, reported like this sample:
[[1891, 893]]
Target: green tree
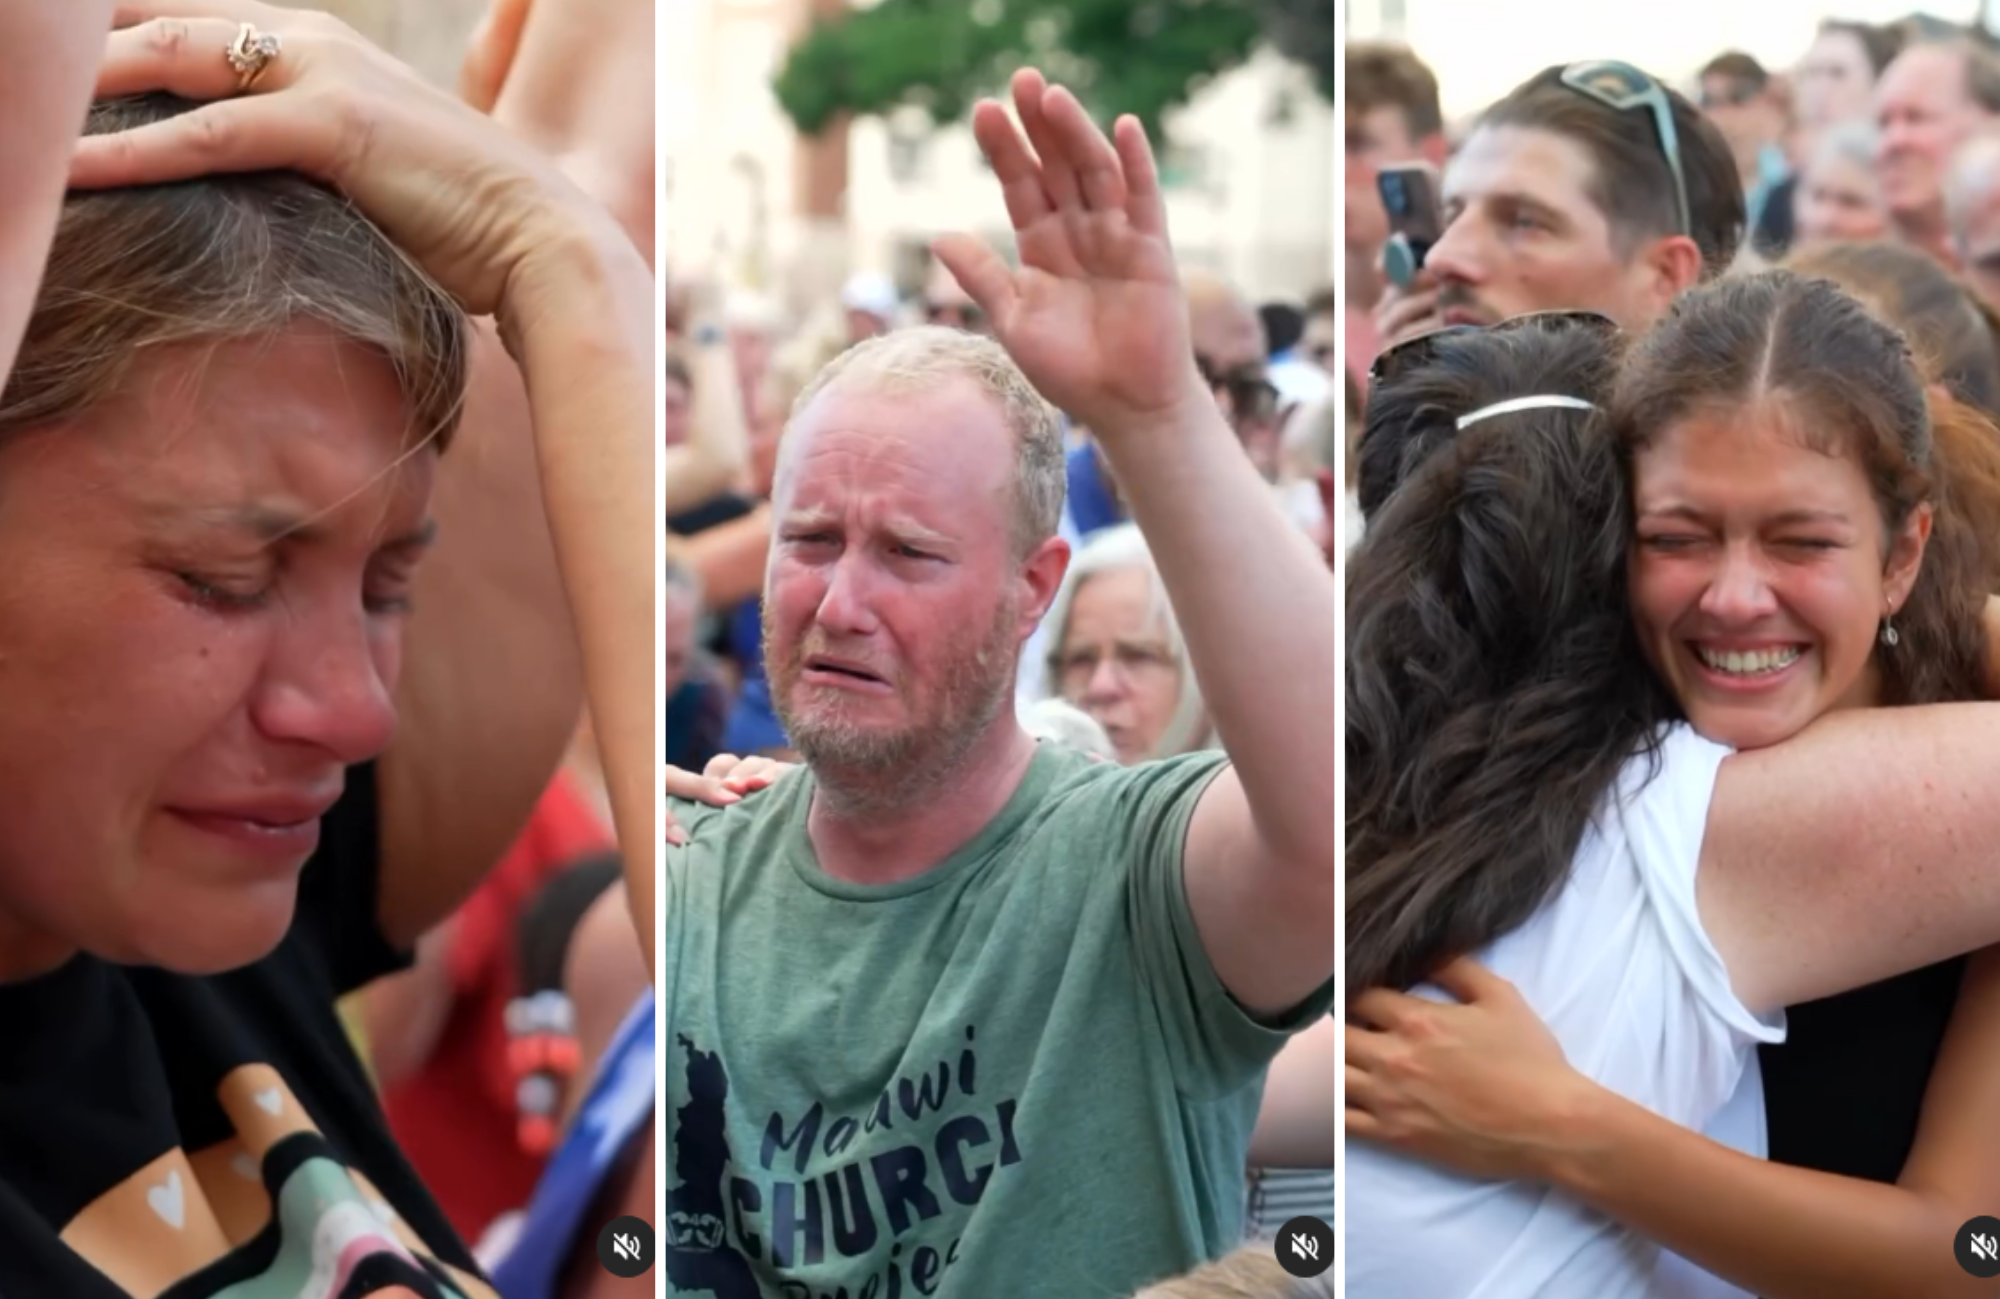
[[1120, 56]]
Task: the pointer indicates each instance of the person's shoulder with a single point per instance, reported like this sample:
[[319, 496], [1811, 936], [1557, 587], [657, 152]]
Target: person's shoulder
[[1084, 782], [712, 830], [1675, 761], [1659, 811]]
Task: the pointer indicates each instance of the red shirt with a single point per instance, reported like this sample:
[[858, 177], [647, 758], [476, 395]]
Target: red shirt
[[456, 1116]]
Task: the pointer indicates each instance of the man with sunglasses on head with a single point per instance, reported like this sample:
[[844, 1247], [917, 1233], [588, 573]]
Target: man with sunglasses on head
[[1589, 187]]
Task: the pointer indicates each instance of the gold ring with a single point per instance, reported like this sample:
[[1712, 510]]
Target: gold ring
[[250, 53]]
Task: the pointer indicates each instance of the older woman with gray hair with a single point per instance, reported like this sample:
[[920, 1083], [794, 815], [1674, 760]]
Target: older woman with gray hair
[[1839, 197], [1116, 651]]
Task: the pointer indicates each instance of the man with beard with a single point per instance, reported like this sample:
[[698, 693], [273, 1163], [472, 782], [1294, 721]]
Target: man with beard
[[1560, 200], [940, 971]]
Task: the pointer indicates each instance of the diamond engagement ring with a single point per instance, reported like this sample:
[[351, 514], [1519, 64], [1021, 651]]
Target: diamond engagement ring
[[250, 53]]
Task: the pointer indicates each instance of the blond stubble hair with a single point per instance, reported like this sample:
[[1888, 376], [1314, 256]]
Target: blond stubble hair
[[922, 359]]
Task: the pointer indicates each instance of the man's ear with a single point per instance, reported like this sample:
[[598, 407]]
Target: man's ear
[[1042, 575], [1435, 149], [1669, 267]]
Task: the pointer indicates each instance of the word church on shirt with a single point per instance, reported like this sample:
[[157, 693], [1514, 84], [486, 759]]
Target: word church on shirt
[[806, 1199]]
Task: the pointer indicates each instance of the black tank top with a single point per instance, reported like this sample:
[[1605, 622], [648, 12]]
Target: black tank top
[[1843, 1093]]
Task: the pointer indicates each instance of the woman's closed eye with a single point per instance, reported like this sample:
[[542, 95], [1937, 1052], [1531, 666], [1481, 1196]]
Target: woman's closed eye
[[388, 598], [391, 579], [225, 594]]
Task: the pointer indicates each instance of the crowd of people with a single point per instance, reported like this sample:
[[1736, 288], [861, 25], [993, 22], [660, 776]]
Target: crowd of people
[[1000, 630], [326, 416], [1674, 490]]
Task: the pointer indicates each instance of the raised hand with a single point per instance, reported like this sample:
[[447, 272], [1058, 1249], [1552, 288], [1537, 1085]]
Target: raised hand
[[1095, 316]]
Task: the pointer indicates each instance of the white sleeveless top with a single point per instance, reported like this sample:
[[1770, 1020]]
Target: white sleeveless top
[[1619, 967]]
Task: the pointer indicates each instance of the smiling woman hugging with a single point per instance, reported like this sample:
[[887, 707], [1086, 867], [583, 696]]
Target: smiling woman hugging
[[1802, 550]]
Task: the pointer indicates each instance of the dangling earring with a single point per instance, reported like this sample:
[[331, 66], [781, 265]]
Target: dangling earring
[[1890, 637]]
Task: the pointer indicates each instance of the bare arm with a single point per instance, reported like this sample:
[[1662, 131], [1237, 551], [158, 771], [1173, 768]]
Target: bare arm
[[1794, 1233], [1096, 318], [49, 53], [603, 977], [562, 93], [1865, 846], [576, 71], [1298, 1124], [580, 324], [730, 558], [717, 454], [493, 685]]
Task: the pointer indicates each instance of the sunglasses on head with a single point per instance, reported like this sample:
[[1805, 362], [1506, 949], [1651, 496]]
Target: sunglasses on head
[[1416, 353], [1622, 87]]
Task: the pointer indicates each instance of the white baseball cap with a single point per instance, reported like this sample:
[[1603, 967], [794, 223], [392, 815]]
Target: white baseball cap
[[872, 292]]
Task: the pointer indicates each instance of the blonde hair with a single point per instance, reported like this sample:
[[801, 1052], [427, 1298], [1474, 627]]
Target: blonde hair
[[1252, 1272], [221, 258], [1065, 723], [910, 360], [1116, 549]]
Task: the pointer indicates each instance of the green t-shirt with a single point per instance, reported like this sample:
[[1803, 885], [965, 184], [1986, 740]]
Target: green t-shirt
[[1014, 1075]]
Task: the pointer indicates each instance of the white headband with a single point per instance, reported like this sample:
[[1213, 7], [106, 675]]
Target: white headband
[[1522, 403]]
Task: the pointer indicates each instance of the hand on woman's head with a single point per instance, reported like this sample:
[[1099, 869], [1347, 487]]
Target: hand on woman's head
[[219, 446], [472, 204]]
